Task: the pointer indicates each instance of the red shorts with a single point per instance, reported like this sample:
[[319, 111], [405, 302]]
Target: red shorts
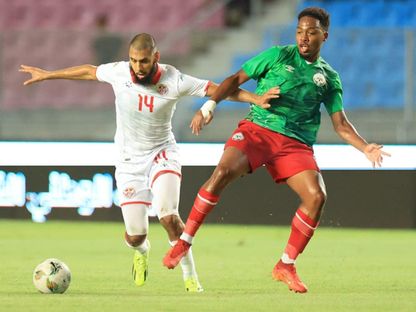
[[283, 156]]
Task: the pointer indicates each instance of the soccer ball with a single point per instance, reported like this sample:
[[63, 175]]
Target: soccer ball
[[52, 276]]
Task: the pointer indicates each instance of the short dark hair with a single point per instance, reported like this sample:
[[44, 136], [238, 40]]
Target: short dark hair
[[143, 41], [318, 13]]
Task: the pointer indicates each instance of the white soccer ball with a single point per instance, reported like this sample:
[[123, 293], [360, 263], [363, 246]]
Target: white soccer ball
[[52, 276]]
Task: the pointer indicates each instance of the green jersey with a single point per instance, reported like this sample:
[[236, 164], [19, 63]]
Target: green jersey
[[303, 87]]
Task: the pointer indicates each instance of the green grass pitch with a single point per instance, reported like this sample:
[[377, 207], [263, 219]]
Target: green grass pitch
[[345, 269]]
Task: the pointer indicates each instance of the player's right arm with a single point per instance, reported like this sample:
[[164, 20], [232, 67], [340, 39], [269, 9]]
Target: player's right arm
[[82, 72], [229, 87]]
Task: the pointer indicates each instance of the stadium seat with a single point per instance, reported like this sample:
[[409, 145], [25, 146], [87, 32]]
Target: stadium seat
[[47, 27]]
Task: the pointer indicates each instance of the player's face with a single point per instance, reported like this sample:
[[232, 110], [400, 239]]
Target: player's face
[[309, 37], [142, 61]]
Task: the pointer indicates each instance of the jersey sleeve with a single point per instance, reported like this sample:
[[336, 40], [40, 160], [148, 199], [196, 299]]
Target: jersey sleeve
[[188, 85], [106, 72], [333, 101], [261, 63]]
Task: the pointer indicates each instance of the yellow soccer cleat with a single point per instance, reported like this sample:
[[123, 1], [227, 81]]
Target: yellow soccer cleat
[[140, 267], [192, 285]]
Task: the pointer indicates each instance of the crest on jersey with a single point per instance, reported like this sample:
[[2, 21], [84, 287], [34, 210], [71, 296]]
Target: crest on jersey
[[162, 89], [237, 136], [319, 79]]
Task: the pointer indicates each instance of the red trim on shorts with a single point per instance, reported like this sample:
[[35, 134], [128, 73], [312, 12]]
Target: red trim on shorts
[[164, 172], [135, 202], [159, 156], [164, 154]]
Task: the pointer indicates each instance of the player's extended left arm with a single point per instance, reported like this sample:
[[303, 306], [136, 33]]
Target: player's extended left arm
[[344, 128], [82, 72]]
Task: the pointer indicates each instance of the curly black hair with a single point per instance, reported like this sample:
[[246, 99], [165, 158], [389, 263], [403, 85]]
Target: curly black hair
[[318, 13]]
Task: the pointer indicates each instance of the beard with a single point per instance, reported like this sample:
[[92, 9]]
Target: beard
[[148, 78]]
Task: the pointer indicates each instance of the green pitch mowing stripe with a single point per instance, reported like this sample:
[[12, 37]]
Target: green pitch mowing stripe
[[345, 269]]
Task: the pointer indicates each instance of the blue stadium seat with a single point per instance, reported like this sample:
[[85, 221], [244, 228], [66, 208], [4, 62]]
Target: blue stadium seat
[[372, 13], [366, 47]]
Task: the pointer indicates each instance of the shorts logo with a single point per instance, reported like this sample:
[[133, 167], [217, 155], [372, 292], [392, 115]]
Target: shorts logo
[[162, 89], [129, 192], [319, 79], [238, 136]]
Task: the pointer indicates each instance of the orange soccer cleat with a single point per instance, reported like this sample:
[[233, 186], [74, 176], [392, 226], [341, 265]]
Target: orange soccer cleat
[[287, 274], [175, 254]]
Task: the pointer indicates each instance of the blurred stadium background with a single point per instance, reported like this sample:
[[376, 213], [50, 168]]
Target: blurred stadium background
[[371, 44]]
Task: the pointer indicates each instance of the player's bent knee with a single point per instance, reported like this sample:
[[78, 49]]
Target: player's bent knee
[[173, 224], [224, 173], [134, 240], [319, 199], [171, 220]]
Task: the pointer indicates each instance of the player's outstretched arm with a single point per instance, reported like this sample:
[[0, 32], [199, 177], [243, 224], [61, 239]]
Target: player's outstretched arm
[[349, 134], [82, 72], [230, 90], [205, 115]]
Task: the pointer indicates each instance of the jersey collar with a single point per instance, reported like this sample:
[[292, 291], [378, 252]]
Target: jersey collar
[[156, 76]]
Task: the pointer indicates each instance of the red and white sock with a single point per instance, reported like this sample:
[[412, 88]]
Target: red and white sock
[[303, 228], [203, 204]]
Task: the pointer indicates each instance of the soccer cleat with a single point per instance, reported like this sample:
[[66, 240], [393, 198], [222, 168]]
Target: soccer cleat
[[140, 267], [192, 285], [175, 254], [287, 274]]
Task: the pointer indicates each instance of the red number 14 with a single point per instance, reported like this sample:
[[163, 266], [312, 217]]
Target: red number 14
[[146, 101]]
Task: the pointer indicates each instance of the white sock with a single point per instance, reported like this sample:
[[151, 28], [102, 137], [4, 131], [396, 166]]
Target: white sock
[[187, 238], [285, 259], [142, 248], [187, 264]]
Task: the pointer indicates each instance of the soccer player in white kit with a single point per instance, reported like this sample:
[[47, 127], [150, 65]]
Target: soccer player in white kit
[[148, 171]]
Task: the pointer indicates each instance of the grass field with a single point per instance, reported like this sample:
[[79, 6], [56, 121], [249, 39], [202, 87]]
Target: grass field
[[345, 269]]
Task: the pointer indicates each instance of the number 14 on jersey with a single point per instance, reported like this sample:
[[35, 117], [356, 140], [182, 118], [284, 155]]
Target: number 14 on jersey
[[147, 101]]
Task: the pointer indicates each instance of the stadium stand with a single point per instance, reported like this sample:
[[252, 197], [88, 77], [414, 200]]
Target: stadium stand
[[55, 34], [371, 35]]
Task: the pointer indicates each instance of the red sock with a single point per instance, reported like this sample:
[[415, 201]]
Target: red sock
[[203, 204], [303, 228]]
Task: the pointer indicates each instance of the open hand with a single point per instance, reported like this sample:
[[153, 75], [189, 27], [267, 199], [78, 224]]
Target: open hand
[[38, 74], [263, 100], [375, 154], [198, 122]]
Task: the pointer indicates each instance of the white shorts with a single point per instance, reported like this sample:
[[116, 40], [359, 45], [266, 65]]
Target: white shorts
[[135, 178]]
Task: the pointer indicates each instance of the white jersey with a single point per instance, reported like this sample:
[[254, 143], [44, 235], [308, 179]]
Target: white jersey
[[144, 112]]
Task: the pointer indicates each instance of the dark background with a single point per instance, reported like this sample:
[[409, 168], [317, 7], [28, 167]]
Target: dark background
[[373, 199]]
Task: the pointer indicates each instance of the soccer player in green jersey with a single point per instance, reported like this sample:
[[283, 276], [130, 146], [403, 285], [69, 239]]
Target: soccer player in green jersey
[[280, 137]]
